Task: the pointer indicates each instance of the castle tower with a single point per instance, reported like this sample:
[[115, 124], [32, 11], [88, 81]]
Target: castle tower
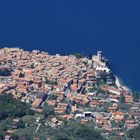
[[99, 55]]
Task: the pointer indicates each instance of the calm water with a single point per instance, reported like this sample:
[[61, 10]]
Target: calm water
[[62, 26]]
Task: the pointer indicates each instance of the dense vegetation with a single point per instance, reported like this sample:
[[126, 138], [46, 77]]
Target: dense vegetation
[[136, 96], [134, 133], [79, 55], [73, 131], [70, 131], [5, 72], [48, 110], [10, 107]]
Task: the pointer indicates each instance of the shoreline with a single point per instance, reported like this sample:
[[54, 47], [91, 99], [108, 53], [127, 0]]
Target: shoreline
[[119, 84]]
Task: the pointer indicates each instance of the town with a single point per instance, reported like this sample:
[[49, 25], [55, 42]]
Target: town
[[69, 88]]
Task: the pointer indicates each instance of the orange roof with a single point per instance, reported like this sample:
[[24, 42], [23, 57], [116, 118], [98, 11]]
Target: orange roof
[[39, 110], [90, 75], [118, 113], [36, 102], [74, 87], [62, 104], [69, 116]]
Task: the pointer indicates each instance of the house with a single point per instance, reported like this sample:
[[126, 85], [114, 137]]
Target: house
[[38, 120], [58, 110], [67, 116], [61, 105], [136, 115], [37, 102], [114, 96], [57, 87], [112, 109], [90, 76], [36, 139], [83, 121], [15, 123], [58, 93], [54, 123], [118, 116], [130, 124], [87, 114], [89, 88], [60, 98], [79, 115], [80, 98], [134, 109], [74, 87], [10, 132], [8, 137], [95, 102], [51, 102], [102, 101], [113, 90], [128, 99], [74, 108], [38, 110], [102, 121]]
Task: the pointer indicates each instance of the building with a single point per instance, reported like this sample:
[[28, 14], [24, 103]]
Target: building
[[99, 63]]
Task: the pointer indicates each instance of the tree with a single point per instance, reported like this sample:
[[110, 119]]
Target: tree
[[21, 75], [117, 124], [1, 135], [21, 124], [52, 97], [31, 112], [122, 98], [15, 136], [75, 131], [79, 55], [125, 107], [134, 133], [11, 107], [46, 81], [136, 96], [5, 72], [33, 65], [48, 110], [62, 136]]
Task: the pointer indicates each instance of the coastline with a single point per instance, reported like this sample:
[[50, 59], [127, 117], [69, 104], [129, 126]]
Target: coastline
[[120, 84]]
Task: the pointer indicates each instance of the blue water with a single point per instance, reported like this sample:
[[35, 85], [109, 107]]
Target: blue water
[[68, 26]]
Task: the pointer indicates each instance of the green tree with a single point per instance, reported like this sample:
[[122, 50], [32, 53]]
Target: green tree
[[48, 110], [136, 96], [31, 112], [5, 72], [134, 133], [75, 131], [52, 97], [1, 135], [79, 55], [122, 98], [11, 107], [21, 75]]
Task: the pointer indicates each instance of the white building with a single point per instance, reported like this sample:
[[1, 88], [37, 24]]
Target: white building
[[98, 62], [114, 90]]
